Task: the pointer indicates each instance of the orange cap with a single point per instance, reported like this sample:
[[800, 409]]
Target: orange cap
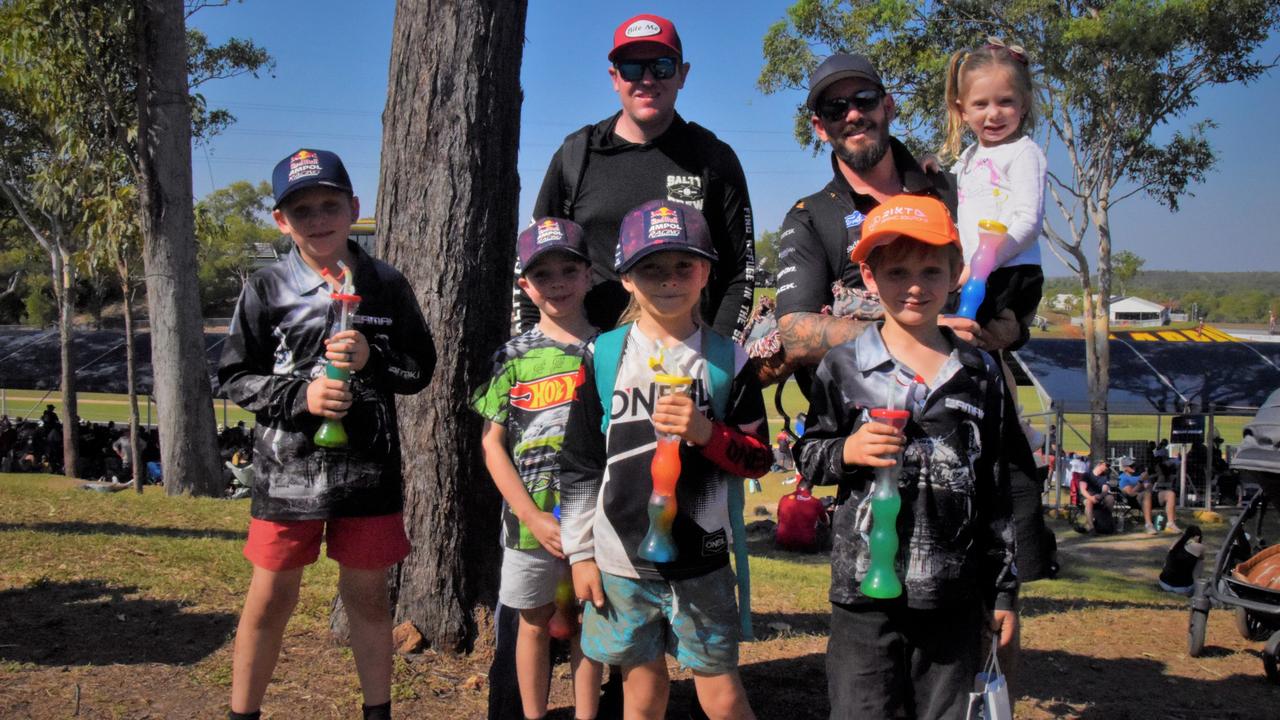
[[919, 217]]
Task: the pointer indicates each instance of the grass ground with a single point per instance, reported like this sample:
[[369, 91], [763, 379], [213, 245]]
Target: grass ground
[[102, 407], [123, 606]]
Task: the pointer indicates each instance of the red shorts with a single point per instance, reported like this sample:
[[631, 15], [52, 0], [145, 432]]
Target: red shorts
[[363, 543]]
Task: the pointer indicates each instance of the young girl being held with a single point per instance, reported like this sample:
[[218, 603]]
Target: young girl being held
[[637, 610], [1001, 176]]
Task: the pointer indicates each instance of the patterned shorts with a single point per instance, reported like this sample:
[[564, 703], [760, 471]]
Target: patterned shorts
[[695, 620]]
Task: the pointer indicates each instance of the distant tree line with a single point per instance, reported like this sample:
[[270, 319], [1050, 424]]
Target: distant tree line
[[229, 222], [1220, 296]]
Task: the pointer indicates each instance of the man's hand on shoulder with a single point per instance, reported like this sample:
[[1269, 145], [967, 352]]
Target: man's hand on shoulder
[[773, 369], [999, 333]]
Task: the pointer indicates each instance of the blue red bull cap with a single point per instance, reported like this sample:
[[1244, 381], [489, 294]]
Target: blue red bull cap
[[547, 234], [306, 168], [662, 225]]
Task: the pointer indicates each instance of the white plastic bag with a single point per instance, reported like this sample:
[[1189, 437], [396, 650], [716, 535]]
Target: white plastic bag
[[990, 698]]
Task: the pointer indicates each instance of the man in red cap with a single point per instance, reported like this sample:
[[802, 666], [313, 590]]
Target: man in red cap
[[644, 152]]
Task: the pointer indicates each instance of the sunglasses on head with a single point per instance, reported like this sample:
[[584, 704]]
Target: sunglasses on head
[[661, 68], [833, 109]]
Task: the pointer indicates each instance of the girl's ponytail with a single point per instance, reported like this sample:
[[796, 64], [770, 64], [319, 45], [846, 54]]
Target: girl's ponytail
[[955, 123]]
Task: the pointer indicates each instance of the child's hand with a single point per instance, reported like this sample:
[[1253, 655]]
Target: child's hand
[[328, 398], [1004, 625], [544, 527], [676, 414], [348, 350], [930, 163], [873, 445], [964, 276], [586, 583]]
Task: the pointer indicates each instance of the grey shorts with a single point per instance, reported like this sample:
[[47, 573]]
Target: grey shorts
[[529, 578]]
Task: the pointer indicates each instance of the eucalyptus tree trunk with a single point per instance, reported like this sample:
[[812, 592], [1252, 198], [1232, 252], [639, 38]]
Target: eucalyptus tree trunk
[[1097, 340], [131, 372], [184, 398], [447, 210], [65, 289]]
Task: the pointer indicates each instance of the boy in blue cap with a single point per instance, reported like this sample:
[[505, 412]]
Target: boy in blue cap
[[273, 364]]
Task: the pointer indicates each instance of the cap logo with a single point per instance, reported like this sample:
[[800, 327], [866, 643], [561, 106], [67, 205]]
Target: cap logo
[[897, 214], [549, 231], [303, 164], [642, 28], [663, 223]]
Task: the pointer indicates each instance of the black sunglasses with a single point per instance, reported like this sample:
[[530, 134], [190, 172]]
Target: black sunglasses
[[833, 109], [661, 68]]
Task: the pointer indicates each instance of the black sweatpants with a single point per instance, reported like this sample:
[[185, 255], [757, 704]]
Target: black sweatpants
[[888, 661]]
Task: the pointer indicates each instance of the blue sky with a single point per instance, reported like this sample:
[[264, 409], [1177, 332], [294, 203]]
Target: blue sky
[[329, 91]]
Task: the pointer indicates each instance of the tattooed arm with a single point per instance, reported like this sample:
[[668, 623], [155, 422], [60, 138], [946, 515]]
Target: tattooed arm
[[807, 336]]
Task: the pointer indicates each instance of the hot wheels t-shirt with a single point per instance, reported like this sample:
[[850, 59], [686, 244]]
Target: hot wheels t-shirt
[[534, 378]]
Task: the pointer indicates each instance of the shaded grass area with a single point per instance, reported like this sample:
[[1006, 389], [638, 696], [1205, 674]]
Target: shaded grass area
[[150, 558]]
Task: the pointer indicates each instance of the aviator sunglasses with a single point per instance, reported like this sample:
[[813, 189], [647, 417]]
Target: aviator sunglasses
[[833, 109], [661, 68]]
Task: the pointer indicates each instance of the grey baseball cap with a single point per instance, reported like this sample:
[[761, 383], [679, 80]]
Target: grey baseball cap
[[837, 68]]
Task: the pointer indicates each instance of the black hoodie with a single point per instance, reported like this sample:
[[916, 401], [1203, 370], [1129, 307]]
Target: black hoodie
[[685, 164]]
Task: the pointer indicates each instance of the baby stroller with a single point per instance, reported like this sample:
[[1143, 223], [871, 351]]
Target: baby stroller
[[1246, 575]]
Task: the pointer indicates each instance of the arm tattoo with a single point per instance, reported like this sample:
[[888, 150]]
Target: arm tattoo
[[808, 336]]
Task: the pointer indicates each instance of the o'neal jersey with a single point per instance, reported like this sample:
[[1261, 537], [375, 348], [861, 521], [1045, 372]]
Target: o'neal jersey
[[607, 479], [534, 378]]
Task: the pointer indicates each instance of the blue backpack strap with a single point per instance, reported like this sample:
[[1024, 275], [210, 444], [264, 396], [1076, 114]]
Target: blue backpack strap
[[607, 357], [721, 354]]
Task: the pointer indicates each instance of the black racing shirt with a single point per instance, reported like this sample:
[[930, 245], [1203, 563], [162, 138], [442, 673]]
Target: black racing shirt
[[685, 164], [957, 538], [820, 231], [274, 350]]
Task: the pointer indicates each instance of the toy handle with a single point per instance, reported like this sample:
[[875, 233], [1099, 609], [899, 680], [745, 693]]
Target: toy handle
[[991, 237], [881, 580]]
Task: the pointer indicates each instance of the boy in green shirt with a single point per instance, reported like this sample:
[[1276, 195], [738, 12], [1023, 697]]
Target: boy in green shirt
[[526, 407]]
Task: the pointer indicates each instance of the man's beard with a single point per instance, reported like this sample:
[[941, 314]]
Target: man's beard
[[868, 155]]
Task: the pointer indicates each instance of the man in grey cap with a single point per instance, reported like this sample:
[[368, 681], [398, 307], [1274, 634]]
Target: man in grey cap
[[851, 112]]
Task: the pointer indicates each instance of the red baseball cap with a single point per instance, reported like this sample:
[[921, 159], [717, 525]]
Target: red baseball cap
[[646, 29]]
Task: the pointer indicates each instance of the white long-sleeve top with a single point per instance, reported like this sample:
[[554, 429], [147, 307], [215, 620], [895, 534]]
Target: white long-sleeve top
[[1004, 183]]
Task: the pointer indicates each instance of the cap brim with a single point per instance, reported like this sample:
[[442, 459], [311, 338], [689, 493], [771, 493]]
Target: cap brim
[[538, 255], [816, 91], [874, 240], [613, 54], [651, 249], [303, 185]]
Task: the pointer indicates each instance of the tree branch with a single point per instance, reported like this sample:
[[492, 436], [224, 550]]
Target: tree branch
[[12, 286], [118, 129], [16, 201]]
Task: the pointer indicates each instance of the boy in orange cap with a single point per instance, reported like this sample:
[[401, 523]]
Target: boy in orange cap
[[916, 654]]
